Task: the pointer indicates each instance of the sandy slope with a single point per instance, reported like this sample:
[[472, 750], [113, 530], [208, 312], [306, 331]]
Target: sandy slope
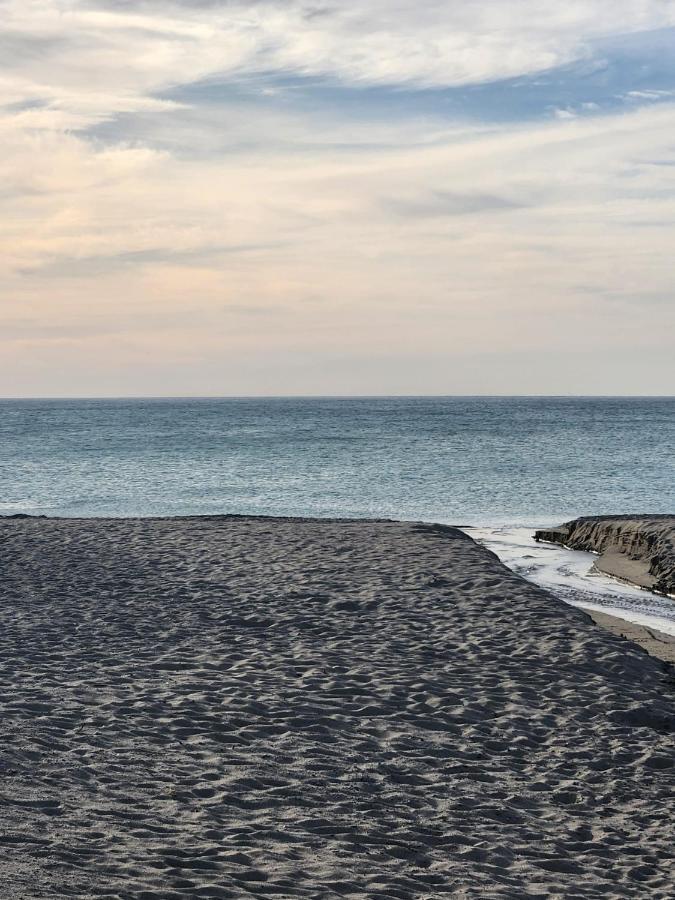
[[278, 708], [655, 642], [639, 549]]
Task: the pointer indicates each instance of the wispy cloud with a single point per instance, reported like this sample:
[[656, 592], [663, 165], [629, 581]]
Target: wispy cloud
[[450, 203], [304, 180], [96, 60]]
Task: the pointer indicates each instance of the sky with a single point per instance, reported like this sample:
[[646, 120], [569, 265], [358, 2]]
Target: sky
[[216, 197]]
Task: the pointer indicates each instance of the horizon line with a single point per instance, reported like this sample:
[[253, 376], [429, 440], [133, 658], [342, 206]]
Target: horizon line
[[440, 396]]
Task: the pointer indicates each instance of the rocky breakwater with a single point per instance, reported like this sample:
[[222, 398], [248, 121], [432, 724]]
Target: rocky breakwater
[[639, 549]]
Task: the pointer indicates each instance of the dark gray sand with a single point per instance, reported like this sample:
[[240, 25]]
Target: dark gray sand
[[286, 708]]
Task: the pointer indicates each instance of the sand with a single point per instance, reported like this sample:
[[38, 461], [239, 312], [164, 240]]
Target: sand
[[266, 708], [656, 643], [637, 549]]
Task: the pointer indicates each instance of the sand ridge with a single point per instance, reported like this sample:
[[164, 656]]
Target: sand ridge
[[639, 549], [233, 707]]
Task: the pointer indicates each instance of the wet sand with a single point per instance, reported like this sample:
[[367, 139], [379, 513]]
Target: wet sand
[[637, 549], [655, 642], [235, 707]]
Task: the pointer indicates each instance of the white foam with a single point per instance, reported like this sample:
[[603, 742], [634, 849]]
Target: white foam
[[569, 575]]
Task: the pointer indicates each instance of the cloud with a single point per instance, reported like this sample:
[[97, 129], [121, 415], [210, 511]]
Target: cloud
[[449, 203], [91, 62], [550, 197], [196, 187]]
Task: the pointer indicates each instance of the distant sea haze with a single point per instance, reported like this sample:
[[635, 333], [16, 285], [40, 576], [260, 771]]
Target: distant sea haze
[[458, 460]]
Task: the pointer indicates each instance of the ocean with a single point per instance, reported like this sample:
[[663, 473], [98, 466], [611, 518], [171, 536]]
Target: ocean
[[473, 461], [501, 465]]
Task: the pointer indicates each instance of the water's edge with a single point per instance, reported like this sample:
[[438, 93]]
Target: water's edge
[[570, 575]]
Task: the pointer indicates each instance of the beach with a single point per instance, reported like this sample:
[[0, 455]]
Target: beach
[[255, 707], [655, 642], [637, 549], [609, 566]]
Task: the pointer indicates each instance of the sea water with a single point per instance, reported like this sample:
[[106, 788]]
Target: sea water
[[488, 462]]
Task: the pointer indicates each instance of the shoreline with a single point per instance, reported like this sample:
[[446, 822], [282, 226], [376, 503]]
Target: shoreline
[[570, 575], [636, 549], [636, 576], [656, 643]]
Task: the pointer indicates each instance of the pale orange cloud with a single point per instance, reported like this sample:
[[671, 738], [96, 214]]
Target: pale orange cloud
[[305, 248]]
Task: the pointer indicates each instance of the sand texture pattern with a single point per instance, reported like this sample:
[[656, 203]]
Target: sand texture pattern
[[235, 708], [655, 642], [639, 549]]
